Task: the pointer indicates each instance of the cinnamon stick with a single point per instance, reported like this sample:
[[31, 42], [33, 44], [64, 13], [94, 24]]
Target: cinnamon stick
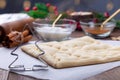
[[16, 38], [25, 33], [18, 25], [26, 39]]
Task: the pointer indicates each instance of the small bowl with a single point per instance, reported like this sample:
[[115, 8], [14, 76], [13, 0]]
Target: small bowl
[[95, 30], [62, 30]]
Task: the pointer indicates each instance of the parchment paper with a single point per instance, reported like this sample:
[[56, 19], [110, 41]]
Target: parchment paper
[[75, 73]]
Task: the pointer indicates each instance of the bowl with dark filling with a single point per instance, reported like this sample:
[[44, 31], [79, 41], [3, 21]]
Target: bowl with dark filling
[[96, 30]]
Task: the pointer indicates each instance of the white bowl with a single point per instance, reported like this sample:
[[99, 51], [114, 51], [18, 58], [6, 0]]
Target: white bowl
[[62, 30]]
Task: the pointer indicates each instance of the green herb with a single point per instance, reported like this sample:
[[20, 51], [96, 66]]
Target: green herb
[[118, 23]]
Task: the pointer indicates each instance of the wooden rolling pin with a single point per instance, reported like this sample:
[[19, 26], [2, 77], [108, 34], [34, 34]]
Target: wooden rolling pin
[[18, 25]]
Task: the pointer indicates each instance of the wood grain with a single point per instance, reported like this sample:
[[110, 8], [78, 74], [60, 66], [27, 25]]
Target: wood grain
[[6, 75], [3, 74], [14, 76], [113, 74]]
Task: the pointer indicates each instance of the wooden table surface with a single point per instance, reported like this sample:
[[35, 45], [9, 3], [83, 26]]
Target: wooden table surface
[[6, 75]]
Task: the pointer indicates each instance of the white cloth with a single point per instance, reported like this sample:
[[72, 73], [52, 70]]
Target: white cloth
[[75, 73], [12, 17]]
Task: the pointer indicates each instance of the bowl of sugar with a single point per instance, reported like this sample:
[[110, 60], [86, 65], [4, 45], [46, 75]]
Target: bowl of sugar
[[61, 30]]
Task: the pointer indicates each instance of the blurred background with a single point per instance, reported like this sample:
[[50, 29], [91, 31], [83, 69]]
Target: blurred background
[[15, 6]]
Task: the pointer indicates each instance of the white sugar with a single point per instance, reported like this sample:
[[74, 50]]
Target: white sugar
[[53, 33]]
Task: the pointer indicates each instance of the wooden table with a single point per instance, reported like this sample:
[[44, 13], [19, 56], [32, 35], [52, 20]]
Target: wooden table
[[6, 75]]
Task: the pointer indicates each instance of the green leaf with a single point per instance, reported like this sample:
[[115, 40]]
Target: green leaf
[[99, 16], [41, 7], [118, 24], [38, 14]]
